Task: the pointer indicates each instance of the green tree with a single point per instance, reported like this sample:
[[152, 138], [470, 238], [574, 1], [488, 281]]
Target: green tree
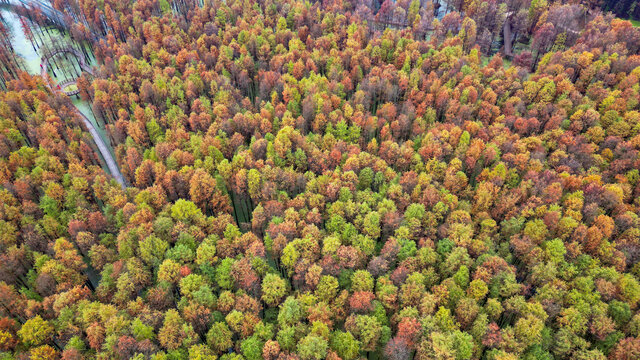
[[367, 329], [312, 347], [371, 225], [174, 332], [152, 250], [190, 284], [223, 274], [274, 288], [36, 331], [142, 331], [290, 313], [361, 280], [219, 337], [345, 345], [201, 352], [184, 210], [327, 288], [252, 348]]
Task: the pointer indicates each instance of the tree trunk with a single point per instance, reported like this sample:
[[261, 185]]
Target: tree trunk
[[508, 39]]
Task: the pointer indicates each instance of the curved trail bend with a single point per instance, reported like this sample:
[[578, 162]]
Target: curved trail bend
[[56, 17], [102, 147], [104, 150]]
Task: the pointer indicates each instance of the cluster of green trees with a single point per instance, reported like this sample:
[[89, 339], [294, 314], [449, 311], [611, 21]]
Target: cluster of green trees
[[303, 186]]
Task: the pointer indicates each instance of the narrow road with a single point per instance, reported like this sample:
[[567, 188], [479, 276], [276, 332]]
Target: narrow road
[[102, 147], [104, 151]]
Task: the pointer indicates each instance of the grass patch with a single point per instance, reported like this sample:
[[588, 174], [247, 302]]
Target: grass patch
[[635, 23], [70, 88], [484, 61]]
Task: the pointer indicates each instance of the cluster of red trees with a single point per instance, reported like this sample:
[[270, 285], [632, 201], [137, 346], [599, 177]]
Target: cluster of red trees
[[303, 186]]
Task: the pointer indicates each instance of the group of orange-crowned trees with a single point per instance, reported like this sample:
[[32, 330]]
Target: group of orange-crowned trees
[[305, 187]]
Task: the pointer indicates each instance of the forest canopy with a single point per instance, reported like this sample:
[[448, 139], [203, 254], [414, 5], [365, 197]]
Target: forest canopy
[[315, 180]]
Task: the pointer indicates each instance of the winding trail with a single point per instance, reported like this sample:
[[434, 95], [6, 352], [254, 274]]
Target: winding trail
[[104, 151], [56, 17], [112, 165], [83, 66]]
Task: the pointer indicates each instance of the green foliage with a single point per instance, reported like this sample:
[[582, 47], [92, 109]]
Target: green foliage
[[252, 348], [290, 312], [185, 210], [223, 274], [219, 337], [35, 331], [274, 288], [345, 345], [312, 347], [142, 331]]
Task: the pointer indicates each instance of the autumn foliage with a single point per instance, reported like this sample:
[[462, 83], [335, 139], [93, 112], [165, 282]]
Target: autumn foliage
[[328, 179]]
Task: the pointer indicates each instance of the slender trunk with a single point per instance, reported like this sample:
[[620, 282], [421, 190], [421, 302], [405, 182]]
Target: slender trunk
[[535, 61]]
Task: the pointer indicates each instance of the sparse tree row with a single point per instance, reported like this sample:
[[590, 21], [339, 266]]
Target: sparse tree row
[[328, 180]]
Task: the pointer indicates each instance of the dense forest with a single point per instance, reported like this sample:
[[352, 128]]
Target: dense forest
[[332, 179]]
